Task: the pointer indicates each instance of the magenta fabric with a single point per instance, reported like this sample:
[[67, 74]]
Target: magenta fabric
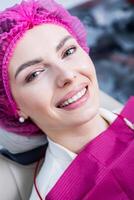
[[104, 169]]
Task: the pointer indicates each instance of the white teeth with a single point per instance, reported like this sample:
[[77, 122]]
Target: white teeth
[[74, 98]]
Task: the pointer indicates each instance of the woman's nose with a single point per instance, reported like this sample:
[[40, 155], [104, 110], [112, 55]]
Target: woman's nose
[[65, 77]]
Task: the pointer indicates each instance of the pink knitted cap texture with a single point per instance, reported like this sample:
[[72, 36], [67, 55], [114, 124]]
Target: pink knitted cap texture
[[14, 22]]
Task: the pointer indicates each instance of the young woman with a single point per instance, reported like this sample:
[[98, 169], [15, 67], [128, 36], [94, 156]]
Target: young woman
[[48, 86]]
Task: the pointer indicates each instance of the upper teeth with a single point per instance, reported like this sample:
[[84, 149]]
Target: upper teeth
[[74, 98]]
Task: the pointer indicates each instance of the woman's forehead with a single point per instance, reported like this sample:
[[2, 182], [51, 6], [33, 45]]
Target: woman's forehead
[[38, 42], [40, 38], [49, 33]]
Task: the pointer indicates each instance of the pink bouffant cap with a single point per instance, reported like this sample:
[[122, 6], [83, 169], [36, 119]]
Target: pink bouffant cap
[[14, 22]]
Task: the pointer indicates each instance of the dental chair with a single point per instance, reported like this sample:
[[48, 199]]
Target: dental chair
[[16, 179]]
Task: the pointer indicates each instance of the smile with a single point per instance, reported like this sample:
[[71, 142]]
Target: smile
[[76, 101], [74, 98]]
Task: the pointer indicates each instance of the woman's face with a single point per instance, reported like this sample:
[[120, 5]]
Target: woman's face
[[47, 64]]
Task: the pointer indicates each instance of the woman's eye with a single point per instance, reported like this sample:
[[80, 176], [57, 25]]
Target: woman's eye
[[69, 52], [33, 75]]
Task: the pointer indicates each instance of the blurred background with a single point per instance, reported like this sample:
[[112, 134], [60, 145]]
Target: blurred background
[[110, 29]]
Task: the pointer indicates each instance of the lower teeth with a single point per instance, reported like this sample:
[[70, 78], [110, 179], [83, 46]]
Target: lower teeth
[[68, 104]]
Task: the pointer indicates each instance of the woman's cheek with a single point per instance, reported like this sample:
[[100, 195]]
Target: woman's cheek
[[85, 63]]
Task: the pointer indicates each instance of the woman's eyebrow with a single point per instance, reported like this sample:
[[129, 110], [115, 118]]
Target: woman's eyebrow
[[27, 64], [63, 41], [39, 60]]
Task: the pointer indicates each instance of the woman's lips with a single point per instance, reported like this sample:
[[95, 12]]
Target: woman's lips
[[71, 94], [77, 103]]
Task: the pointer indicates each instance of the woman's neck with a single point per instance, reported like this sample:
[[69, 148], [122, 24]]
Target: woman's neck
[[76, 141]]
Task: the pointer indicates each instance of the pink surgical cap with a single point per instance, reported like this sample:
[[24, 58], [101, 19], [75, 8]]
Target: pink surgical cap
[[14, 22]]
